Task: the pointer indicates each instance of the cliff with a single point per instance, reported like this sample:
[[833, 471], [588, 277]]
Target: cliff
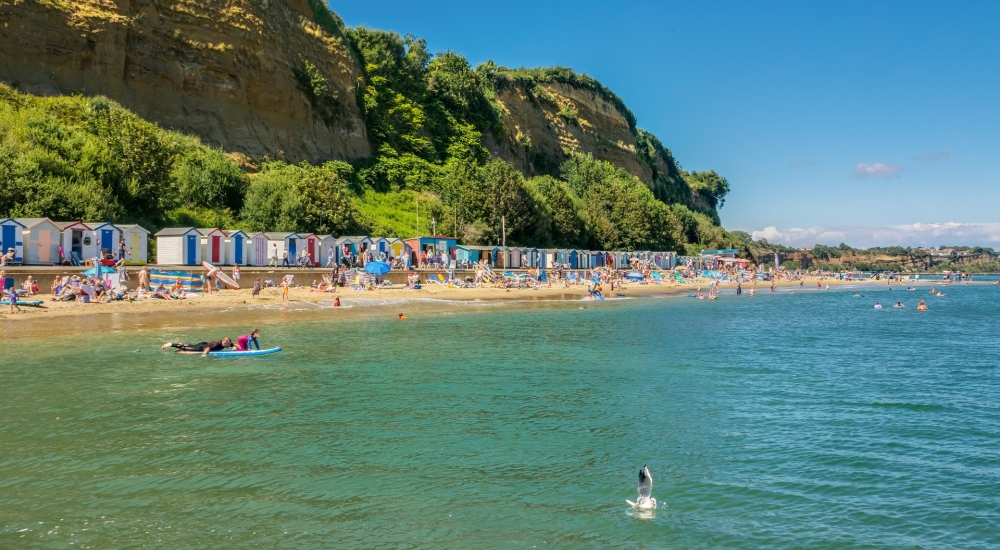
[[224, 70]]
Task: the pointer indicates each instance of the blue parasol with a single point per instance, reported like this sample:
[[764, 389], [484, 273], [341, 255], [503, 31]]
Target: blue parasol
[[378, 268], [105, 270]]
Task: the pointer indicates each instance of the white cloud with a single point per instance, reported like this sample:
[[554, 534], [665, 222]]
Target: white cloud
[[877, 170], [931, 157], [917, 234]]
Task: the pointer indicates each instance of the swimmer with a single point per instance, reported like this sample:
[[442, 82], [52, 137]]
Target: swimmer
[[899, 305], [336, 302], [878, 305], [752, 291], [922, 306], [402, 317], [940, 294]]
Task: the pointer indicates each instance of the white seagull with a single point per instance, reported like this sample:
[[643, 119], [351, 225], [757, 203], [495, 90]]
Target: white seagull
[[645, 501]]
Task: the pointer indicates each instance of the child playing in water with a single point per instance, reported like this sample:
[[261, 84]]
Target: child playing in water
[[243, 342]]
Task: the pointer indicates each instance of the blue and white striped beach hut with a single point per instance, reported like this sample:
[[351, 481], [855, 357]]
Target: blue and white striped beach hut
[[12, 238]]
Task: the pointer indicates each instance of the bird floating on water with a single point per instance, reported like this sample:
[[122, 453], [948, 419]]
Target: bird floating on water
[[645, 501]]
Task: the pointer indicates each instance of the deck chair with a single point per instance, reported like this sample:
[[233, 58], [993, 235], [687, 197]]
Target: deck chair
[[75, 258]]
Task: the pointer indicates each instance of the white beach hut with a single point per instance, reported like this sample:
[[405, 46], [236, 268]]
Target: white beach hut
[[259, 250], [136, 244], [103, 236], [41, 239], [213, 245], [327, 244], [12, 237], [73, 236], [309, 242], [344, 245], [178, 246], [237, 245], [279, 242]]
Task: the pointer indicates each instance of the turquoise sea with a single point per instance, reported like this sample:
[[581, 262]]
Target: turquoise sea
[[800, 419]]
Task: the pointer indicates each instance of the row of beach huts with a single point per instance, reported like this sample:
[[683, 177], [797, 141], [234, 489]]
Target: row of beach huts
[[41, 241]]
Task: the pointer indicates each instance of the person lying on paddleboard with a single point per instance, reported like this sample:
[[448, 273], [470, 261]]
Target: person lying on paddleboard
[[243, 342], [202, 347]]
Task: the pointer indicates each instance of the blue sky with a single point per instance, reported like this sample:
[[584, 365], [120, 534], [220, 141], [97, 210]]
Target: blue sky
[[849, 115]]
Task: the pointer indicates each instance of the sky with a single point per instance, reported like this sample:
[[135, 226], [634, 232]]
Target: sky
[[877, 122]]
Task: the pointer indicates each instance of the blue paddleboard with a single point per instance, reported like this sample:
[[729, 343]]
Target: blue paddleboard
[[249, 353], [23, 302]]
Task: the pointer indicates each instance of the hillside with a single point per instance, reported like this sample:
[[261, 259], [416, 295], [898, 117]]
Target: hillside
[[274, 115]]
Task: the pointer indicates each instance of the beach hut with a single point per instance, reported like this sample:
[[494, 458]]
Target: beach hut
[[178, 246], [432, 244], [326, 244], [73, 235], [104, 236], [41, 238], [213, 245], [259, 250], [345, 247], [136, 244], [279, 242], [237, 245], [573, 259], [12, 237], [310, 242], [548, 257], [514, 257]]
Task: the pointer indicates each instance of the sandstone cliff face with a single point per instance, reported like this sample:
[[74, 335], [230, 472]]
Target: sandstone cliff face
[[546, 123], [220, 69]]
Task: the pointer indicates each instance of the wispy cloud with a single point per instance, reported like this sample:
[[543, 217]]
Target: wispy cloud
[[877, 170], [916, 234], [801, 161], [931, 157]]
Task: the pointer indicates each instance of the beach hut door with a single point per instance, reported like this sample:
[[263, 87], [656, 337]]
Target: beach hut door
[[135, 247], [311, 245], [44, 245], [7, 238], [291, 248], [106, 237], [216, 245], [192, 249], [238, 246]]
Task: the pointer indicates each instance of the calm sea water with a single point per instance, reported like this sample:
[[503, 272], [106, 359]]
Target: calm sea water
[[805, 420]]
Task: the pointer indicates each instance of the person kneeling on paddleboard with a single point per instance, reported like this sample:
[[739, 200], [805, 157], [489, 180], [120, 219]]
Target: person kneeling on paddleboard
[[202, 347], [243, 342]]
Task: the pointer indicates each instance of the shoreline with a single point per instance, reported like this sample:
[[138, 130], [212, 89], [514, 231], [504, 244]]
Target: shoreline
[[60, 317]]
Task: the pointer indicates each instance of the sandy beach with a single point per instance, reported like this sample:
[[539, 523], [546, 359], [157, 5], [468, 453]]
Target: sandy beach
[[236, 306]]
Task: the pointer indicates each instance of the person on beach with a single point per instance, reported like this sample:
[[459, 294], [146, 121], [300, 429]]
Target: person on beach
[[243, 342], [255, 293], [12, 296], [122, 251], [739, 289], [329, 256], [284, 289], [144, 278], [336, 302], [284, 259], [402, 317], [201, 347], [274, 257], [236, 273]]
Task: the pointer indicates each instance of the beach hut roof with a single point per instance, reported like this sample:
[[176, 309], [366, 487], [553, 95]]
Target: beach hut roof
[[94, 226], [176, 231], [325, 237], [28, 223], [5, 220], [63, 226], [205, 231], [134, 226], [342, 240], [279, 235], [475, 247], [231, 232], [307, 235]]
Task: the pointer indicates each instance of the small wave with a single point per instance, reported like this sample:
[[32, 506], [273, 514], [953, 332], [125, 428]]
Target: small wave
[[911, 406]]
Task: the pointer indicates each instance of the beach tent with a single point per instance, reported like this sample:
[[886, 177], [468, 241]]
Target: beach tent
[[136, 244], [237, 247], [12, 236], [213, 245], [104, 236], [73, 234], [259, 250], [41, 237], [178, 246]]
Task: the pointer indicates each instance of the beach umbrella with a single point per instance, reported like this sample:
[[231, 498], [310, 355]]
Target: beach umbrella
[[378, 268], [103, 270]]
